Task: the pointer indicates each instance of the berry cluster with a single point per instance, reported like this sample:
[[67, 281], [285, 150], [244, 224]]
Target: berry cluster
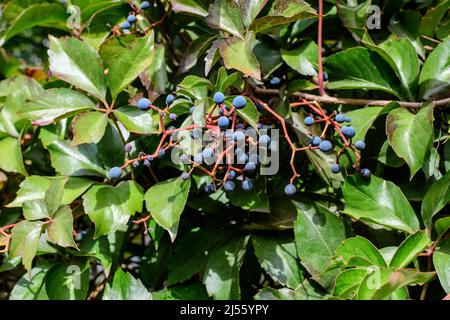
[[131, 19], [236, 163]]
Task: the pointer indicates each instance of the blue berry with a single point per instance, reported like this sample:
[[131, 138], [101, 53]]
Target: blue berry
[[340, 118], [135, 164], [170, 99], [128, 147], [239, 102], [243, 158], [360, 145], [147, 163], [348, 131], [275, 81], [191, 109], [264, 139], [218, 98], [239, 151], [309, 121], [173, 116], [144, 104], [115, 173], [325, 146], [290, 189], [250, 167], [259, 107], [365, 173], [250, 132], [207, 153], [347, 119], [229, 186], [325, 76], [125, 25], [335, 168], [209, 188], [247, 185], [131, 18], [238, 136], [223, 122], [145, 5], [161, 153], [198, 158], [240, 126], [231, 175], [185, 176], [315, 141]]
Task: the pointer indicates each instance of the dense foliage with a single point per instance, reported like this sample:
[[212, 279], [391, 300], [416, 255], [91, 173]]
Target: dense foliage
[[95, 96]]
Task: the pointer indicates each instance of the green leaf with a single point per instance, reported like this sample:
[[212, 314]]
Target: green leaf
[[411, 135], [60, 229], [77, 63], [166, 201], [441, 262], [250, 10], [436, 198], [97, 248], [125, 287], [278, 256], [32, 288], [353, 15], [282, 13], [359, 251], [195, 7], [155, 77], [302, 59], [192, 252], [98, 27], [249, 114], [56, 103], [362, 120], [126, 57], [434, 78], [68, 281], [226, 15], [73, 188], [409, 249], [110, 208], [25, 240], [89, 127], [45, 14], [379, 201], [383, 282], [222, 270], [318, 233], [194, 87], [238, 54], [407, 26], [358, 68], [76, 161], [12, 160], [136, 121], [195, 50], [253, 200], [348, 281], [32, 188], [433, 16], [442, 225], [35, 210], [402, 58]]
